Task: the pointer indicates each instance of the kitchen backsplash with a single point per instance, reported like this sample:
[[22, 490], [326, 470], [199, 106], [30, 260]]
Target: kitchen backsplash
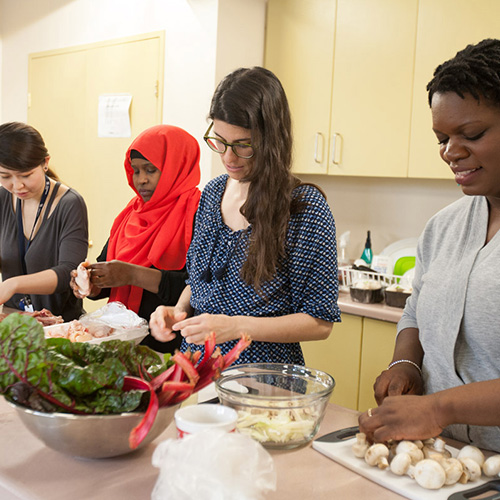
[[392, 209]]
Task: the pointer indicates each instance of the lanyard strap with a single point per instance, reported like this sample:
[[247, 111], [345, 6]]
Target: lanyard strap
[[23, 248]]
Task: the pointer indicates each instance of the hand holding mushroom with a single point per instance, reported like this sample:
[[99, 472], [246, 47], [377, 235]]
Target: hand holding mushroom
[[400, 417], [401, 379]]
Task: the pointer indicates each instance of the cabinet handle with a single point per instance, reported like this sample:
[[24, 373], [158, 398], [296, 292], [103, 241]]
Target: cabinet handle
[[337, 149], [318, 158]]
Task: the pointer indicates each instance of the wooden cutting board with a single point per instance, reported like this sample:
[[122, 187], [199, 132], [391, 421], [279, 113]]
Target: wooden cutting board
[[342, 453]]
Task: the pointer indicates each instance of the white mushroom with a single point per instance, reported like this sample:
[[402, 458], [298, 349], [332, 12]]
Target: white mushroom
[[472, 452], [412, 449], [439, 444], [433, 446], [377, 455], [360, 446], [419, 443], [401, 464], [452, 467], [429, 474], [491, 466], [472, 470]]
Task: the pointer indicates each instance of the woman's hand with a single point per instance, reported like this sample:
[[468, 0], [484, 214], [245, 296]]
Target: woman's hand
[[196, 328], [111, 274], [94, 290], [162, 322], [400, 379], [402, 417], [74, 286], [7, 289]]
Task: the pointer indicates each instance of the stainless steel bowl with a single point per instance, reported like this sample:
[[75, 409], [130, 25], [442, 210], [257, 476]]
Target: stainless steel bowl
[[279, 405], [91, 436]]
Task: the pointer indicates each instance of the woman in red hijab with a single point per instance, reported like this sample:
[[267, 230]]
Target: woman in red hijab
[[143, 262]]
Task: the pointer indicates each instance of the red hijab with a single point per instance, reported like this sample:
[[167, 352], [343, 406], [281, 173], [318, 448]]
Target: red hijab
[[158, 232]]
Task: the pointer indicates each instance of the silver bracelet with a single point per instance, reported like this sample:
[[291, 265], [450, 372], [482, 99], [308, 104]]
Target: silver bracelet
[[394, 363]]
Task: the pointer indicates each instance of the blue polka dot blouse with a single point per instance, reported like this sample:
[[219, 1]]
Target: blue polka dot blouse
[[307, 282]]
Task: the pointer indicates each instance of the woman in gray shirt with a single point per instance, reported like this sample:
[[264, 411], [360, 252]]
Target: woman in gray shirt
[[445, 373], [43, 227]]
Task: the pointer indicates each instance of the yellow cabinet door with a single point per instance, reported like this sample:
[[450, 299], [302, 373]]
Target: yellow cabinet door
[[376, 353], [444, 27], [339, 355], [299, 50], [372, 87]]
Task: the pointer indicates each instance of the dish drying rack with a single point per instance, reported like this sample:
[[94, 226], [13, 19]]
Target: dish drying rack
[[348, 276]]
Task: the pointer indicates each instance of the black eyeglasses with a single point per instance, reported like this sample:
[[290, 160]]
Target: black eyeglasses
[[240, 149]]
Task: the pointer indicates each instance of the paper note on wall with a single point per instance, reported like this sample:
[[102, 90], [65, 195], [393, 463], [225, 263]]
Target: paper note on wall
[[113, 115]]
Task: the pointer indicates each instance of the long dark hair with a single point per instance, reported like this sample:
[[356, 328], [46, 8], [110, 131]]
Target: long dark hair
[[253, 98], [474, 70], [22, 148]]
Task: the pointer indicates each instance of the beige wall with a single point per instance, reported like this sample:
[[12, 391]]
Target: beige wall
[[391, 209], [202, 43]]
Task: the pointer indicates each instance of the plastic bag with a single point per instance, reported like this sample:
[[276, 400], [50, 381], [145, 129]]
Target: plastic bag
[[213, 465], [123, 324]]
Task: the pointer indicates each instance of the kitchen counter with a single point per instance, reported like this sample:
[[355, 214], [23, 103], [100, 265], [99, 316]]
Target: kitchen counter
[[374, 311], [347, 305], [31, 471]]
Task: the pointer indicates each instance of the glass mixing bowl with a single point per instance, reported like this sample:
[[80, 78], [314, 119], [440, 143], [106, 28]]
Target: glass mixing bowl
[[279, 405]]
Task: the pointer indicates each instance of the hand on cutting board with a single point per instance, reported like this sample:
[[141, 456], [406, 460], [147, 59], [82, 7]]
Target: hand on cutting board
[[402, 417]]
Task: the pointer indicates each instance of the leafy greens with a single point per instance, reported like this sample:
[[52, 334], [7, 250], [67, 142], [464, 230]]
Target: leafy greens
[[76, 377]]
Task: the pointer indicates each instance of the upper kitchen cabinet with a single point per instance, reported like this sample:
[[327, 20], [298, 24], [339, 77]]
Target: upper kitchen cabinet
[[444, 27], [347, 68], [299, 50], [372, 87]]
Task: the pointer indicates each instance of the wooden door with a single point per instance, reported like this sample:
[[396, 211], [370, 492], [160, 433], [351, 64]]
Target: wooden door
[[64, 90]]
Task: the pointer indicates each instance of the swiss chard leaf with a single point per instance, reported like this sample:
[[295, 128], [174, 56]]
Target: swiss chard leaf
[[22, 350], [23, 358], [85, 380], [71, 376]]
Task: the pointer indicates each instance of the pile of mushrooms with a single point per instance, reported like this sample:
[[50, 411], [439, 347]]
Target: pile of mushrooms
[[428, 462]]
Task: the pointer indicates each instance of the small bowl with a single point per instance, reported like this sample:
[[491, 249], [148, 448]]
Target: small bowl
[[279, 405], [91, 436], [366, 295], [206, 417], [395, 298]]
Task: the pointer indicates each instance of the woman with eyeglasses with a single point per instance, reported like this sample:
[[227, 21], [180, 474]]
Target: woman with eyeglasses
[[263, 256], [143, 263], [43, 227]]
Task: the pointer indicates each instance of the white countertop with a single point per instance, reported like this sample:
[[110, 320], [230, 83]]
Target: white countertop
[[31, 471]]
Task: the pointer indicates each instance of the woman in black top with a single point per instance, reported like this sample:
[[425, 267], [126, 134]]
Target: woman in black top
[[43, 227]]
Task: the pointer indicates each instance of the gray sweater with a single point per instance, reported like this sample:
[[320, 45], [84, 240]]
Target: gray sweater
[[455, 305], [60, 244]]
